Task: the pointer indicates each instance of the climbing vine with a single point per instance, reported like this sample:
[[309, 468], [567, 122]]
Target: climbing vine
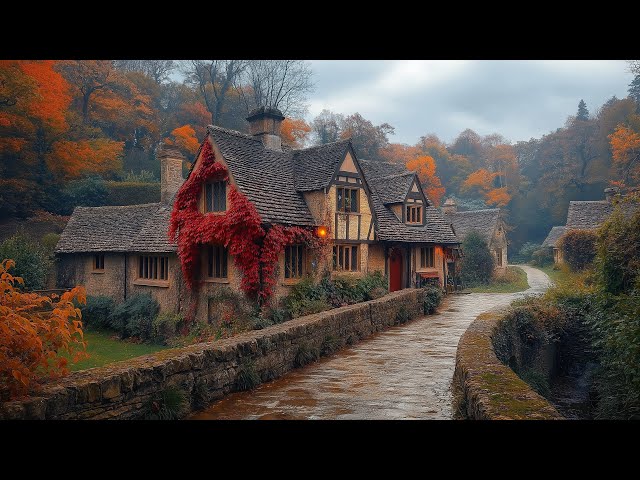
[[255, 250]]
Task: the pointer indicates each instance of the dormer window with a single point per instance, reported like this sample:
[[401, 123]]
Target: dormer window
[[216, 196], [413, 214]]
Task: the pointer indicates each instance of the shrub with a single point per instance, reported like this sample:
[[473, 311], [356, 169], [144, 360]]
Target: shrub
[[278, 315], [542, 257], [17, 197], [170, 404], [538, 381], [526, 252], [306, 355], [372, 285], [166, 325], [132, 193], [248, 377], [37, 334], [87, 192], [578, 248], [145, 176], [97, 311], [432, 299], [135, 316], [49, 242], [258, 323], [618, 253], [32, 261], [476, 266]]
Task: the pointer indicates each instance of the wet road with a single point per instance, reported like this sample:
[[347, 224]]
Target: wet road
[[404, 372]]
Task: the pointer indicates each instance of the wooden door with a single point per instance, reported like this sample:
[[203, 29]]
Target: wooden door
[[395, 270]]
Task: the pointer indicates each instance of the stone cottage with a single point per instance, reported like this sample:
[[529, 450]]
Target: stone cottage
[[487, 222], [587, 215], [373, 215]]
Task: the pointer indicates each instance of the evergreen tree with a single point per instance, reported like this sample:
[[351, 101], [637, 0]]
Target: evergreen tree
[[634, 89], [583, 113]]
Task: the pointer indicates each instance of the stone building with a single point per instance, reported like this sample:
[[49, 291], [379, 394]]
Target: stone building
[[587, 215], [487, 222], [375, 214]]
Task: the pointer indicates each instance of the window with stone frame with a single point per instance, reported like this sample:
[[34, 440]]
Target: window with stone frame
[[217, 262], [294, 261], [345, 258], [98, 262], [347, 199], [153, 267], [216, 196], [427, 258], [413, 214]]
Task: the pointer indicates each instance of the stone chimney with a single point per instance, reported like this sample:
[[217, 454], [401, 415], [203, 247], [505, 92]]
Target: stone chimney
[[611, 193], [265, 124], [450, 206], [170, 171]]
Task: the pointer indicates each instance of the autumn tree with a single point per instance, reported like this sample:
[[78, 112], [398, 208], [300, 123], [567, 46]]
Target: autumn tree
[[326, 127], [583, 112], [634, 89], [37, 334], [294, 132], [367, 139], [452, 168], [158, 70], [425, 167], [185, 139], [625, 145]]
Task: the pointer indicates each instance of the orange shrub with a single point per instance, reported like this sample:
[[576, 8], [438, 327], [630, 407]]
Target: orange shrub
[[35, 332]]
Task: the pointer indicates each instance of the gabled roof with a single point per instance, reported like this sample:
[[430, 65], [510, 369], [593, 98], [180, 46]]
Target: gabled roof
[[483, 221], [131, 228], [266, 177], [554, 236], [588, 215], [316, 166], [394, 188], [435, 230]]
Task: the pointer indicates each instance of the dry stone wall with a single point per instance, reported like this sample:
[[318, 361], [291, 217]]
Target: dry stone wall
[[208, 371]]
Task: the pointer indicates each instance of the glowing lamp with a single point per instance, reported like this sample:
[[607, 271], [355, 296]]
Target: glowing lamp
[[322, 232]]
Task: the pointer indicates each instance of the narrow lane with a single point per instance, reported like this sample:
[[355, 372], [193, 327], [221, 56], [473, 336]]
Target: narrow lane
[[404, 372]]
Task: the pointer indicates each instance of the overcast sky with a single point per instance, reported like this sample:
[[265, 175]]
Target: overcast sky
[[518, 99]]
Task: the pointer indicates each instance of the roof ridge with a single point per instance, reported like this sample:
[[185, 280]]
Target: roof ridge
[[403, 174], [479, 210], [588, 201], [306, 149], [137, 205], [232, 132]]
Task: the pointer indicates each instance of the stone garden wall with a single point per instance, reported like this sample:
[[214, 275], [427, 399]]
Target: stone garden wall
[[208, 371], [486, 389]]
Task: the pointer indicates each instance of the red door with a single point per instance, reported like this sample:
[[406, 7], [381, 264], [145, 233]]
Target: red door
[[395, 270]]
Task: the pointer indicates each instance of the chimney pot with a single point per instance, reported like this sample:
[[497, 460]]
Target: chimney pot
[[170, 172], [265, 123], [450, 206]]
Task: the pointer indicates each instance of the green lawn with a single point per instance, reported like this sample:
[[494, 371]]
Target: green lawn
[[104, 348], [514, 280], [556, 275]]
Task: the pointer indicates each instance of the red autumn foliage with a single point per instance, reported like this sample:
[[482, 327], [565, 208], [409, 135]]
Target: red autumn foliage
[[253, 249]]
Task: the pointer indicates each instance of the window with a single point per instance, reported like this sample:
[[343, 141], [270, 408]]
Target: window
[[293, 261], [426, 257], [413, 214], [98, 262], [217, 256], [345, 257], [216, 196], [153, 268], [347, 199], [499, 256]]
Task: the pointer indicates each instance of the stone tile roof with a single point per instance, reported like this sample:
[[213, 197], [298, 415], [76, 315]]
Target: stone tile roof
[[265, 176], [131, 228], [554, 235], [483, 221], [394, 188], [315, 166], [588, 215], [436, 229]]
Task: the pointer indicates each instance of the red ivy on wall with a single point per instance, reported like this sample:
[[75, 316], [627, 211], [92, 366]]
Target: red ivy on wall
[[254, 250]]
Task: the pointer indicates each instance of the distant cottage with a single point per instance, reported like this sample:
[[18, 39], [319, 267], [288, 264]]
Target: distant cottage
[[586, 215], [374, 215], [486, 222]]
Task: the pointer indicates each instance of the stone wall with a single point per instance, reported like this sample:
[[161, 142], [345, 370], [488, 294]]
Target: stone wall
[[208, 371], [486, 389]]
